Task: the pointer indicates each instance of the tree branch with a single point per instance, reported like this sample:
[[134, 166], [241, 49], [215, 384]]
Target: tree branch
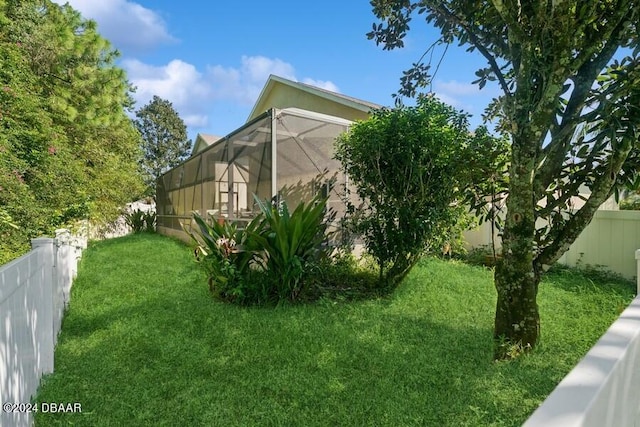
[[475, 41], [562, 136], [601, 190]]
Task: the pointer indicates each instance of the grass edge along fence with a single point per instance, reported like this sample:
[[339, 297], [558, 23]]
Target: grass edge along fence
[[34, 292], [608, 242], [604, 388]]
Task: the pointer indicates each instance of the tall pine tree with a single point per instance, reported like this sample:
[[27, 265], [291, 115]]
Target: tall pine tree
[[164, 139]]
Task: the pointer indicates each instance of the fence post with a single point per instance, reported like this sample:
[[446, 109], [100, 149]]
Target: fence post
[[638, 273], [66, 256], [47, 251]]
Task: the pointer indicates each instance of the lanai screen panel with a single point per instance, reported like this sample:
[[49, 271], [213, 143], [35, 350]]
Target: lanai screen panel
[[221, 181], [305, 146], [248, 171]]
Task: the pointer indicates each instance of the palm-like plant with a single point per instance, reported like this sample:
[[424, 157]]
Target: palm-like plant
[[268, 258], [226, 252], [291, 240]]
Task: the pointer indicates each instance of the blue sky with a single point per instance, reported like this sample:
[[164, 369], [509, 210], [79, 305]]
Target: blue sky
[[211, 59]]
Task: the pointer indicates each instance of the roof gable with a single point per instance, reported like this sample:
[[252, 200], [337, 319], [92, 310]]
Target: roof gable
[[279, 92], [203, 140]]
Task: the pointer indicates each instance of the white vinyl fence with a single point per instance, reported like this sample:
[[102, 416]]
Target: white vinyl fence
[[34, 291], [609, 241], [603, 390]]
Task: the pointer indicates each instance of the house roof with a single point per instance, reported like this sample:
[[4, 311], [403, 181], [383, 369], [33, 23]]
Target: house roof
[[274, 82], [282, 93], [203, 140]]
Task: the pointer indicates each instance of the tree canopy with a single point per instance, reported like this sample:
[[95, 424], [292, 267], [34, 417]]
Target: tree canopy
[[68, 150], [164, 139], [570, 80]]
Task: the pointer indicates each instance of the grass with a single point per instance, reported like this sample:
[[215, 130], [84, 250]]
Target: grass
[[144, 344]]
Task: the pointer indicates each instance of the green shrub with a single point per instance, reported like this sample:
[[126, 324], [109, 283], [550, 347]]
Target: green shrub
[[631, 203], [135, 220], [13, 244], [150, 222], [140, 221], [343, 277], [227, 255], [405, 164], [291, 241], [267, 260], [478, 255]]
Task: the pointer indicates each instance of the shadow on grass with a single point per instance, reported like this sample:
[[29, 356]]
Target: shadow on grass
[[287, 366], [162, 352]]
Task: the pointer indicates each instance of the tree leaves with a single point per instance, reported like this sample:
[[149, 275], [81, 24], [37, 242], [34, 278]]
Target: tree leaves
[[555, 64], [407, 166], [164, 139], [63, 126]]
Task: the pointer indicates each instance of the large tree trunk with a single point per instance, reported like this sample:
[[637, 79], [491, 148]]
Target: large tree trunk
[[517, 321]]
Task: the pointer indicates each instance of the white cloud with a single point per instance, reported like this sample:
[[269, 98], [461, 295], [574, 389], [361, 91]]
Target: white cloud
[[193, 93], [465, 96], [127, 25], [196, 120], [454, 87], [450, 100], [258, 68], [243, 84], [178, 82]]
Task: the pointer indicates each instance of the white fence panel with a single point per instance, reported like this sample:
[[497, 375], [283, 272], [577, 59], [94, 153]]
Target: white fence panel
[[603, 390], [610, 241], [34, 291]]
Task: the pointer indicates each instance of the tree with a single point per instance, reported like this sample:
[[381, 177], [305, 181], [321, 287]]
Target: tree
[[486, 178], [68, 150], [404, 164], [569, 76], [164, 139]]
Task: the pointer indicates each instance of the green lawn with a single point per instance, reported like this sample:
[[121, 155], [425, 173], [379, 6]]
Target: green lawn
[[143, 343]]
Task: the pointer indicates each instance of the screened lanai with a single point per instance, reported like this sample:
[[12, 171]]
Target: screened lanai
[[284, 153]]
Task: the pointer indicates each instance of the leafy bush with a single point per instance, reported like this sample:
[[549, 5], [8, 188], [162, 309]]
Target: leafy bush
[[631, 203], [140, 221], [484, 256], [229, 257], [268, 259], [291, 241], [69, 152], [150, 222], [407, 168], [343, 277]]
